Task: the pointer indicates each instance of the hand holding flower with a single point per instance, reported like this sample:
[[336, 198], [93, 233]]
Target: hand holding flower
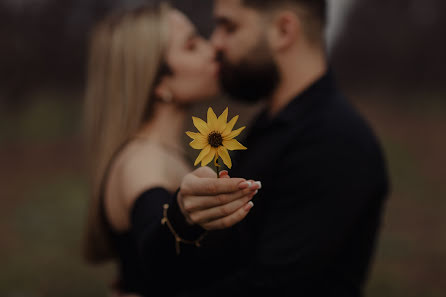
[[215, 203]]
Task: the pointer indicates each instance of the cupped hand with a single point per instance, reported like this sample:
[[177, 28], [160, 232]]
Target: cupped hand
[[215, 203]]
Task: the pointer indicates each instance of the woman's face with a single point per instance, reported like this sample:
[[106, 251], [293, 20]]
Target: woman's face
[[192, 61]]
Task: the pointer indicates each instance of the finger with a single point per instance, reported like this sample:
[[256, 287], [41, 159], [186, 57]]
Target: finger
[[205, 172], [250, 183], [230, 220], [212, 214], [197, 203], [258, 183], [197, 186]]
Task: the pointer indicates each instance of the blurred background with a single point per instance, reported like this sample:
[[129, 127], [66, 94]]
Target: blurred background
[[389, 56]]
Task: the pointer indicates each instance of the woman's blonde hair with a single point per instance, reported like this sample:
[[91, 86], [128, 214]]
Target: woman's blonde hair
[[125, 60]]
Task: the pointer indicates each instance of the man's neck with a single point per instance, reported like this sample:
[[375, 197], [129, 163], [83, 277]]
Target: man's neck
[[295, 78]]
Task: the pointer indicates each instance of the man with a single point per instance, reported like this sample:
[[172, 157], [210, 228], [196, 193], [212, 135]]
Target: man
[[313, 229]]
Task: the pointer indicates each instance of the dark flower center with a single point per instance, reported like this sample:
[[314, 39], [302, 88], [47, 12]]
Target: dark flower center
[[215, 139]]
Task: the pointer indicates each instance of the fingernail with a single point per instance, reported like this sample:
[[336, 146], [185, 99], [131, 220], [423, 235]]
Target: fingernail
[[256, 192], [259, 183], [249, 205], [246, 184]]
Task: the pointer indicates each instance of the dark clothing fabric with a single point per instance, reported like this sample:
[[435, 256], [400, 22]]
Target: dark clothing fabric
[[313, 229], [147, 259], [146, 221]]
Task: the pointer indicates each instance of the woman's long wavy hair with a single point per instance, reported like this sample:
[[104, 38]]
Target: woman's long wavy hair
[[125, 60]]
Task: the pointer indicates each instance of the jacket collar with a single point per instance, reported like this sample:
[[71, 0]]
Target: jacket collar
[[313, 95]]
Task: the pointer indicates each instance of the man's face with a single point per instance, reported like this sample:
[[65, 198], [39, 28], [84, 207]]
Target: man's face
[[248, 71]]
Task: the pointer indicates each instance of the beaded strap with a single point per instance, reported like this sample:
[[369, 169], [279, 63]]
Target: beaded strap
[[178, 239]]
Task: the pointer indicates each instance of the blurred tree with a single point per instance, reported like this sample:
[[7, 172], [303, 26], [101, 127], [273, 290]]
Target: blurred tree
[[43, 42], [396, 45]]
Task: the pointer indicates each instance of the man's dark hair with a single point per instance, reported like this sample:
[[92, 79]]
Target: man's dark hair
[[314, 13]]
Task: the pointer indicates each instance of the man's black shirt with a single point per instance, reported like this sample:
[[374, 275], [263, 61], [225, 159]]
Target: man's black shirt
[[314, 226]]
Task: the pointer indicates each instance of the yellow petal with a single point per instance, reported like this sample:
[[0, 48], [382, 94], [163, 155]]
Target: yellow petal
[[223, 153], [212, 119], [201, 126], [229, 126], [234, 133], [198, 144], [209, 157], [221, 121], [233, 145], [202, 154], [196, 136]]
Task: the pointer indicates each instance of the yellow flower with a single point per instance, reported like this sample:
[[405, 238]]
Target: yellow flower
[[215, 138]]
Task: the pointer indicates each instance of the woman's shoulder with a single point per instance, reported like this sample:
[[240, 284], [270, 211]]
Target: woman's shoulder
[[139, 167]]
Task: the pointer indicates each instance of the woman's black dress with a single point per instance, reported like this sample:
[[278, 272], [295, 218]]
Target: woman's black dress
[[147, 258]]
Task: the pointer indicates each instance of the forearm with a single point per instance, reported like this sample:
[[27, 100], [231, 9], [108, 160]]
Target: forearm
[[149, 224]]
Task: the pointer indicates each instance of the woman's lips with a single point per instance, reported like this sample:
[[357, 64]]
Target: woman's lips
[[217, 69]]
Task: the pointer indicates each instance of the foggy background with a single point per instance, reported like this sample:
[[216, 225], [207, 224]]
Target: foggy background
[[389, 57]]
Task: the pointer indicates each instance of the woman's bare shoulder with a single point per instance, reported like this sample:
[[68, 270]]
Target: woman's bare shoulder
[[136, 169], [141, 167]]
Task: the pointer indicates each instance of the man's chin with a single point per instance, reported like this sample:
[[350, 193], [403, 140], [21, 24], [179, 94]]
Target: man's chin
[[243, 94], [240, 98], [249, 86]]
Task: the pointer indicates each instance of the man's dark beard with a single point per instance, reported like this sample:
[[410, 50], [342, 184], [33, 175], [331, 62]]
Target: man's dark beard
[[254, 78]]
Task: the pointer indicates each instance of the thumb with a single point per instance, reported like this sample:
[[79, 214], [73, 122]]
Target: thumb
[[204, 172]]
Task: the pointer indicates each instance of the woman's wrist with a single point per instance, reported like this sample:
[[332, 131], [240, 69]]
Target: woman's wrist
[[180, 224]]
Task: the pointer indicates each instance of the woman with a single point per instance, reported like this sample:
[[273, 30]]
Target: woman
[[146, 66]]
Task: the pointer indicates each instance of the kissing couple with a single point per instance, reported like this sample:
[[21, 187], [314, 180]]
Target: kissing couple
[[299, 212]]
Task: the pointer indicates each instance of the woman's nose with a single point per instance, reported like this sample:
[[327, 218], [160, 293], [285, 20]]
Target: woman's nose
[[211, 52], [217, 40]]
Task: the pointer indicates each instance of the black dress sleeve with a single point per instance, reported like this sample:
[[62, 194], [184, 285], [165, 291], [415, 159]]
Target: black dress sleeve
[[155, 243]]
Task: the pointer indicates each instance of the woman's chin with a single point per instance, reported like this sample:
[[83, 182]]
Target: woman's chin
[[211, 93], [204, 94], [208, 97]]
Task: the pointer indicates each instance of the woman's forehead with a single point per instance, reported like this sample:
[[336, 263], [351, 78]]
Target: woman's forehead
[[180, 27], [180, 21]]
